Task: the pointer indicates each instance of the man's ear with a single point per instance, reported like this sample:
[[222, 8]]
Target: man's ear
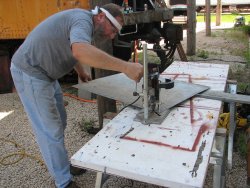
[[101, 17]]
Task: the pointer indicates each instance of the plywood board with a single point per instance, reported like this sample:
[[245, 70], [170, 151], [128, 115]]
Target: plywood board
[[172, 154]]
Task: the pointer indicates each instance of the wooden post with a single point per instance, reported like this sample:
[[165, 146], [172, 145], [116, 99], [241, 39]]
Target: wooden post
[[191, 27], [218, 12], [208, 18], [104, 104], [5, 75]]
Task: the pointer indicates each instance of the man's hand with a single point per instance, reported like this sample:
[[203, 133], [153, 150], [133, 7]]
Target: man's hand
[[84, 76], [134, 71]]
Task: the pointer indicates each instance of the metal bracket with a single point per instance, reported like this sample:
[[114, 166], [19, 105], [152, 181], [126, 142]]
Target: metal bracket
[[198, 160]]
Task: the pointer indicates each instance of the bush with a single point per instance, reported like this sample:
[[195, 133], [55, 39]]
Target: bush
[[202, 54], [246, 29]]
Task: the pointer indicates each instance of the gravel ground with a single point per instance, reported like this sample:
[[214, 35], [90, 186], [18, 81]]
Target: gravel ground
[[28, 172]]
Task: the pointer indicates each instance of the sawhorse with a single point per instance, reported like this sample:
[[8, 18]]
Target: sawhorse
[[232, 98], [217, 158]]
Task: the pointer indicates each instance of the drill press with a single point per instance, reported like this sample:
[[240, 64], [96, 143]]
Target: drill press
[[153, 110]]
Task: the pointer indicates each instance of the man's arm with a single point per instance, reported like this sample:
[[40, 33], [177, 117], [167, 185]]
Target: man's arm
[[92, 56], [83, 75]]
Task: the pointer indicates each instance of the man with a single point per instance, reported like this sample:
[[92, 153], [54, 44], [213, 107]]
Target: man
[[51, 50]]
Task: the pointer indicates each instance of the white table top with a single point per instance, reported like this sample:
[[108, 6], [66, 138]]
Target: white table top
[[174, 153]]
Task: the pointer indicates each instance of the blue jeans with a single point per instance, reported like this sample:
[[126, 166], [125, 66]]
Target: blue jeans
[[43, 103]]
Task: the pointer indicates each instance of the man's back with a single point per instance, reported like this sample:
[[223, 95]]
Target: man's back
[[46, 52]]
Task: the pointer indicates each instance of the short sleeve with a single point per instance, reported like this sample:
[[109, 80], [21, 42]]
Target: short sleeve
[[81, 31]]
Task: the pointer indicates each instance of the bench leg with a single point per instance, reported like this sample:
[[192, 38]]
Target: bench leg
[[217, 158], [231, 134], [219, 175], [100, 179]]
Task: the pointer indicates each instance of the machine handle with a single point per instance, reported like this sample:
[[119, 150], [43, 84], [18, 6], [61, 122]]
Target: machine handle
[[168, 84]]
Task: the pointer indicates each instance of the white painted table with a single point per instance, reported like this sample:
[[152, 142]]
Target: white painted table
[[173, 154]]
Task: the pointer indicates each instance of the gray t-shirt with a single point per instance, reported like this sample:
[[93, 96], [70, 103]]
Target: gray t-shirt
[[46, 52]]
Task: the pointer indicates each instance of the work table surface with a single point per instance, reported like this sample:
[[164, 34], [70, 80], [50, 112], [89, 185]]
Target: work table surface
[[174, 153]]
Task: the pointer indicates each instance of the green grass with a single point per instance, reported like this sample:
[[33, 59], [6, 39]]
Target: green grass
[[89, 126], [241, 143], [224, 17], [246, 29], [247, 57], [202, 54], [241, 87]]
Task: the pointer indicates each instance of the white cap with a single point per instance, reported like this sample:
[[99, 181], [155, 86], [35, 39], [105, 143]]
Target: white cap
[[112, 19]]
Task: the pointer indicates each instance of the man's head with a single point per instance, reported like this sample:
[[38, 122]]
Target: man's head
[[108, 21]]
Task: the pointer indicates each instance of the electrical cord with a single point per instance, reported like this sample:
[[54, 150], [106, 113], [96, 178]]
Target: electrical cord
[[130, 104], [156, 113], [78, 98], [21, 153], [83, 100]]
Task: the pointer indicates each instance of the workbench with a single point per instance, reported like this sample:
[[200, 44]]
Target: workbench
[[175, 153]]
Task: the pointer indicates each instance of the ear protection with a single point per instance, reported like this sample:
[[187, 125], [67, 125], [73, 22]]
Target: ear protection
[[95, 11]]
